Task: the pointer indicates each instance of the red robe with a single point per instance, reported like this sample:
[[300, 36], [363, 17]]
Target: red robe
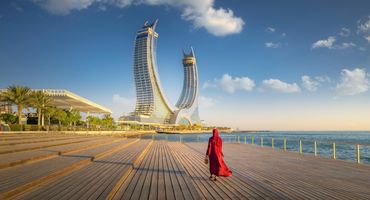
[[217, 165]]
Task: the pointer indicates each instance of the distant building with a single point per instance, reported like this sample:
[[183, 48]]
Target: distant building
[[5, 107], [187, 105], [152, 105]]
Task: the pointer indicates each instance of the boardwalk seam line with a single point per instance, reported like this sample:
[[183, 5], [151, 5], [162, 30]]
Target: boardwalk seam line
[[121, 181], [39, 147], [49, 156], [48, 178]]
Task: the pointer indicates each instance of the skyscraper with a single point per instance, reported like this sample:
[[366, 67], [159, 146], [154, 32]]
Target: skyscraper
[[152, 105], [187, 105]]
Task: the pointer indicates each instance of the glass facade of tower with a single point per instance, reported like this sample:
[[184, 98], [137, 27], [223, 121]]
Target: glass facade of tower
[[187, 105], [190, 85], [151, 104]]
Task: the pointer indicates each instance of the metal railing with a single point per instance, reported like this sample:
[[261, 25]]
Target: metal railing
[[301, 146]]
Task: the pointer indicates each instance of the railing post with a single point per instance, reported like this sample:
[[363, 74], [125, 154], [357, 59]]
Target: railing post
[[239, 139], [245, 139], [272, 143], [315, 148], [252, 139], [358, 154], [334, 151], [261, 141], [284, 144], [300, 146]]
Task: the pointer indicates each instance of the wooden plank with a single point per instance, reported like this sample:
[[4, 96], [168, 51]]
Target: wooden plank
[[92, 180], [249, 189], [201, 183], [24, 186], [26, 157], [298, 176], [129, 173], [37, 141], [148, 182], [171, 184], [188, 190], [153, 190], [78, 182], [29, 147], [136, 179], [172, 170]]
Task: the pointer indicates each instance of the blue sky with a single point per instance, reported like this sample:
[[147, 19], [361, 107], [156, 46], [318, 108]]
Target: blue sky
[[262, 64]]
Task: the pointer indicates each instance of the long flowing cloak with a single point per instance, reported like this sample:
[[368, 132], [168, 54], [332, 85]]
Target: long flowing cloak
[[217, 165]]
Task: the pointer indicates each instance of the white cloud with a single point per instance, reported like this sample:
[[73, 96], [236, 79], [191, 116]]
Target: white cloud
[[309, 83], [272, 45], [277, 85], [345, 32], [323, 79], [17, 7], [283, 34], [64, 7], [231, 84], [368, 38], [219, 22], [102, 7], [364, 26], [123, 101], [203, 14], [328, 43], [353, 82], [206, 102], [209, 84], [345, 45], [270, 29]]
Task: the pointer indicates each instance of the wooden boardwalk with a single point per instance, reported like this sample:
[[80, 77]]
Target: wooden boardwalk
[[88, 167]]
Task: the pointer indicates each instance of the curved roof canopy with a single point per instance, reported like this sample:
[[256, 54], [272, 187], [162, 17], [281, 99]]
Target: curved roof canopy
[[67, 100]]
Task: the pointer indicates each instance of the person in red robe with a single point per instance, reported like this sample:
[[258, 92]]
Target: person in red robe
[[217, 166]]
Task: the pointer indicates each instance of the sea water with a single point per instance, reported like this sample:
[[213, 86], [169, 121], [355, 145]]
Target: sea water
[[345, 141]]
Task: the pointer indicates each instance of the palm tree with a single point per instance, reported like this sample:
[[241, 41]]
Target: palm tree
[[61, 116], [73, 116], [56, 113], [108, 121], [40, 100], [50, 112], [18, 95]]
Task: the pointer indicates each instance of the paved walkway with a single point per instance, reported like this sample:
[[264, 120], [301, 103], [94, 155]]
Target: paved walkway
[[121, 168]]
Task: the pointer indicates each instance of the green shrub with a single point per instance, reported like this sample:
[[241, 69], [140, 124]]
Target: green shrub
[[15, 127], [8, 118], [31, 127]]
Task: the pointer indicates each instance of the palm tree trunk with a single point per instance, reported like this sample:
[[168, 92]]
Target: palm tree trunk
[[20, 108], [48, 123], [38, 118]]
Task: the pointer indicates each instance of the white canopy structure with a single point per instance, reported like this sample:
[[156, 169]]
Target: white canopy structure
[[65, 99]]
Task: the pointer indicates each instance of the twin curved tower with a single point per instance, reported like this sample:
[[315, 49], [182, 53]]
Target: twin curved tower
[[152, 105]]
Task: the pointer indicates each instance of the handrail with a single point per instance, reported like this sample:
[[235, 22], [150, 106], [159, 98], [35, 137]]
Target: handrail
[[273, 141], [310, 140]]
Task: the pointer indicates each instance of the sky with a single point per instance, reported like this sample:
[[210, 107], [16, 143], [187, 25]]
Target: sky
[[263, 65]]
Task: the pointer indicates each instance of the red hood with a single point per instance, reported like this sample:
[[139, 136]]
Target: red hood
[[215, 133]]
